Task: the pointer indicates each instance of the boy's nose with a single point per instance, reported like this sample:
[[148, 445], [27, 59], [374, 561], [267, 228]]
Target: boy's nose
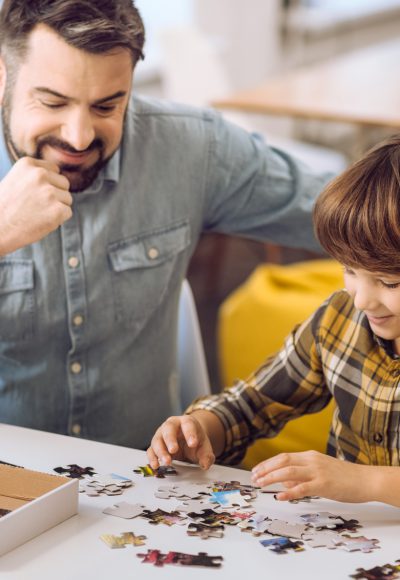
[[365, 299]]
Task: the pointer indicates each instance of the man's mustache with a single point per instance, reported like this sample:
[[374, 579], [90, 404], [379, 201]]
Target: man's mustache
[[54, 142]]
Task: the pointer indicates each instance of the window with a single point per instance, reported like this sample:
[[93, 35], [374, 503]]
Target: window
[[158, 14]]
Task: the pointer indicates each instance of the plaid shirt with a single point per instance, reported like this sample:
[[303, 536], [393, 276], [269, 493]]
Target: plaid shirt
[[332, 354]]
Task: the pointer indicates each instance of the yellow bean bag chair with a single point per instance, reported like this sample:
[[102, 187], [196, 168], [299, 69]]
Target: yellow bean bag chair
[[253, 323]]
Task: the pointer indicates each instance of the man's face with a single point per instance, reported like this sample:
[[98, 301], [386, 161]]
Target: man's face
[[67, 106]]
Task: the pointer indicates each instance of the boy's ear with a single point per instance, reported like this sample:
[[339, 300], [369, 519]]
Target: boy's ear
[[3, 78]]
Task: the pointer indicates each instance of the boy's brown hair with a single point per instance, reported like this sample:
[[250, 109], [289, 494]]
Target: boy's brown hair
[[357, 216]]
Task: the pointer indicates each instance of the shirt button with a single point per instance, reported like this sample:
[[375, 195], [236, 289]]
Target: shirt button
[[153, 253], [76, 429], [76, 368], [378, 437], [78, 320], [396, 373], [73, 262]]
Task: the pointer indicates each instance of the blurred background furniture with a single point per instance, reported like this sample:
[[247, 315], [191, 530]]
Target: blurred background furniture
[[253, 323], [192, 72], [359, 88]]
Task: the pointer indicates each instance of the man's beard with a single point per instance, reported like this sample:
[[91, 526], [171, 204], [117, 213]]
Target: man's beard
[[78, 177]]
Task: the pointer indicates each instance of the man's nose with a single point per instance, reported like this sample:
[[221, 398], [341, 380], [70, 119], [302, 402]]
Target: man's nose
[[78, 130]]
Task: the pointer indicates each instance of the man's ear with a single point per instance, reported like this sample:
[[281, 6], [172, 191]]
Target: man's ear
[[3, 79]]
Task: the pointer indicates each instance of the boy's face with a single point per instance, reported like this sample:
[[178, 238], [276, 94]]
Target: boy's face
[[378, 296], [66, 105]]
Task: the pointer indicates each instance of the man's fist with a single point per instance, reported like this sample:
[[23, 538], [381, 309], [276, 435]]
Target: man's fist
[[34, 201]]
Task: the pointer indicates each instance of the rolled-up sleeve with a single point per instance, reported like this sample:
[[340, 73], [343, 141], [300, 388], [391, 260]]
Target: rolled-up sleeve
[[286, 386], [256, 190]]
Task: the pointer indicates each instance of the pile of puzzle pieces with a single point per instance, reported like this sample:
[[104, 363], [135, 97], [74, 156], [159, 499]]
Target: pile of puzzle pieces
[[94, 484], [205, 510]]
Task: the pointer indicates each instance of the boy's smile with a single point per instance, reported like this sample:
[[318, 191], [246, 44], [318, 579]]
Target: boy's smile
[[378, 296]]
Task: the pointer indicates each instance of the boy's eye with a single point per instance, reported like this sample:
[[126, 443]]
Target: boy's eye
[[390, 285]]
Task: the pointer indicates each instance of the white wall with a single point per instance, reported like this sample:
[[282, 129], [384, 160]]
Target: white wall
[[249, 33]]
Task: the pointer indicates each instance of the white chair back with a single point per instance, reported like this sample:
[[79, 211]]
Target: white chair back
[[192, 367]]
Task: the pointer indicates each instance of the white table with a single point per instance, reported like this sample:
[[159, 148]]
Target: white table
[[73, 549]]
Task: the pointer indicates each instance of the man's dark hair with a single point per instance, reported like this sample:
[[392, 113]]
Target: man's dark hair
[[95, 26]]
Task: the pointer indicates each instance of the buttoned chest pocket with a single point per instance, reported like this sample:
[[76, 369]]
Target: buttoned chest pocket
[[17, 300], [142, 267]]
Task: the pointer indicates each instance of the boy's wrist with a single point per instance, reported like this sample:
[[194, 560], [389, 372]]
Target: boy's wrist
[[382, 484]]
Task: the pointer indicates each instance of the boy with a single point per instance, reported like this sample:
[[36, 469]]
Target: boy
[[349, 349]]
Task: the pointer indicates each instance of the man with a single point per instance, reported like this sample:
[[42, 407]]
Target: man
[[102, 200]]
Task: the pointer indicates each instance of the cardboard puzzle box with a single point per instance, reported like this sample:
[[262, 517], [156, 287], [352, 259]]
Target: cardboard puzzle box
[[32, 502]]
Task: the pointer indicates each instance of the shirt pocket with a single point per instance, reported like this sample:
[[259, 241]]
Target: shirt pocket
[[142, 267], [17, 299]]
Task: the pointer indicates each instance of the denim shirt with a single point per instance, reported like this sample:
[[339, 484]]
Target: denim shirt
[[88, 315]]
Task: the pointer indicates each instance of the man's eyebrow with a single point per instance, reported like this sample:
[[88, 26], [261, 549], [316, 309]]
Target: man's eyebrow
[[47, 91], [50, 92]]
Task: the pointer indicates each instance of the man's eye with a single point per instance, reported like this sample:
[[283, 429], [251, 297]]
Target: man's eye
[[52, 105], [105, 108]]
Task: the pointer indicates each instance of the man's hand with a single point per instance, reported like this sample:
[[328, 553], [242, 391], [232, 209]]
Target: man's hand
[[183, 438], [34, 201], [313, 473]]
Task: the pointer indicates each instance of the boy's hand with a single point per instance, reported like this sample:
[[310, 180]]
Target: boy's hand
[[182, 438], [34, 201], [313, 473]]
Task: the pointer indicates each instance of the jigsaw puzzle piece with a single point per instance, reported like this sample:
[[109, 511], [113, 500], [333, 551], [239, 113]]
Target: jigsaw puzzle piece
[[197, 507], [160, 516], [125, 510], [204, 532], [230, 498], [281, 528], [74, 471], [323, 539], [365, 545], [125, 539], [282, 545], [385, 572]]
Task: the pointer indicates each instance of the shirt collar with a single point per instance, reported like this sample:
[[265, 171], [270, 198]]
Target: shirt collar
[[387, 346], [110, 172]]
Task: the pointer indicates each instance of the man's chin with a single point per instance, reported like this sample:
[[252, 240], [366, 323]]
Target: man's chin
[[81, 179]]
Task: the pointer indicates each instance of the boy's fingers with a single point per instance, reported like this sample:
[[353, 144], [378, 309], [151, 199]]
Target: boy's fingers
[[170, 431], [205, 455], [159, 449], [152, 458], [290, 473], [191, 431]]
